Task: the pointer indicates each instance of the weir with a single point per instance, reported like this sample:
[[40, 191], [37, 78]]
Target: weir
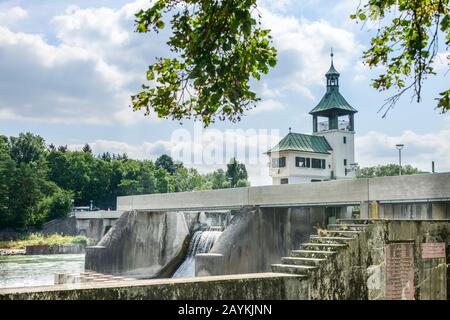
[[201, 242]]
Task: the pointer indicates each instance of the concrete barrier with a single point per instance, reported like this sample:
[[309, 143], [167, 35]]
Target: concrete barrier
[[261, 286], [413, 188], [196, 200], [410, 188]]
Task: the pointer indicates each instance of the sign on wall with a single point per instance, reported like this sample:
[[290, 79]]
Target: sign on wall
[[399, 271], [433, 250]]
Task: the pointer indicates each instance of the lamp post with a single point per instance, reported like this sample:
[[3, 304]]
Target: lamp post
[[168, 183], [399, 148]]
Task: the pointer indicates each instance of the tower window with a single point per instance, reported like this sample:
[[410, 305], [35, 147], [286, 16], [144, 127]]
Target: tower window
[[345, 162], [345, 139], [279, 162], [301, 162], [318, 163]]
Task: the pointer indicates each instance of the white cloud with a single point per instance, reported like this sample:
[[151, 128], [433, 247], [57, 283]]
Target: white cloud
[[376, 148], [442, 62], [88, 77], [267, 105], [10, 16], [303, 51]]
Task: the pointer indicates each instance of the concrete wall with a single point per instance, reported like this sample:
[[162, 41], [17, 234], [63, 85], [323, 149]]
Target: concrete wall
[[65, 226], [94, 229], [258, 237], [241, 287], [141, 245], [92, 224], [405, 210], [359, 271], [424, 187]]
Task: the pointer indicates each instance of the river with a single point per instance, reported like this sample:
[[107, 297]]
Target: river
[[25, 271]]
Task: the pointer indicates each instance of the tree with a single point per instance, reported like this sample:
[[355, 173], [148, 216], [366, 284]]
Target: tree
[[236, 174], [164, 181], [7, 174], [106, 156], [166, 163], [218, 180], [220, 47], [62, 148], [385, 170], [188, 179], [87, 148], [407, 46], [26, 148]]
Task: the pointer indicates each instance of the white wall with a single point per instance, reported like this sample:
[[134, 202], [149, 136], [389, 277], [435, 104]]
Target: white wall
[[299, 174], [341, 151]]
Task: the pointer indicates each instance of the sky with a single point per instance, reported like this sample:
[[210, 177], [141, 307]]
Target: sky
[[68, 69]]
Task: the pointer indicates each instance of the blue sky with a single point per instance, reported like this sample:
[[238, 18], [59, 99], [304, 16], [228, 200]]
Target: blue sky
[[68, 68]]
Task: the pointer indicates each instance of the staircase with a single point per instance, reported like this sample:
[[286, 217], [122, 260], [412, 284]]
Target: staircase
[[320, 248]]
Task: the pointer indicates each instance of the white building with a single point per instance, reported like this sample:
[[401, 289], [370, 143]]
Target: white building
[[329, 152]]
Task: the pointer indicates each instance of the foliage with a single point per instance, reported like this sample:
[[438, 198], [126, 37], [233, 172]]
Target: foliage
[[220, 47], [166, 163], [39, 239], [87, 148], [26, 148], [407, 45], [236, 174], [33, 192], [385, 170]]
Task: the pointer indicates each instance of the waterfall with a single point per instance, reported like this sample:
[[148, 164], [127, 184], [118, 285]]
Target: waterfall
[[201, 242]]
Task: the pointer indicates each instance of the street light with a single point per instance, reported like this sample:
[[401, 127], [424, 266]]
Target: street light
[[399, 148]]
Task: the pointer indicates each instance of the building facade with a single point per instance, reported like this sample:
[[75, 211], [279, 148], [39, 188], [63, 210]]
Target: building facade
[[326, 154]]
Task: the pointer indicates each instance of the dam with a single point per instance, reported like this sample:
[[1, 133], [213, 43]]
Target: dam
[[324, 240]]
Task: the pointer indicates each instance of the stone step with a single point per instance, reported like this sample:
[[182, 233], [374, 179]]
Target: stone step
[[348, 233], [350, 227], [292, 269], [311, 253], [331, 240], [323, 246], [354, 221], [302, 261]]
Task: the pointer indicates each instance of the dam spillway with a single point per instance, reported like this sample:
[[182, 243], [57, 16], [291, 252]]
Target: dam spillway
[[201, 242]]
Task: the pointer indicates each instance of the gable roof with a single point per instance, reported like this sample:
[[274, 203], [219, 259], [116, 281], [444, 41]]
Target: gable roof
[[302, 142], [333, 100]]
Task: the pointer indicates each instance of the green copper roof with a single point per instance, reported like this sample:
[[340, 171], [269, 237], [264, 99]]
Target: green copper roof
[[302, 142], [333, 100], [332, 70]]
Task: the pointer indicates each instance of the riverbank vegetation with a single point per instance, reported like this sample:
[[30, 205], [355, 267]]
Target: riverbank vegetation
[[386, 170], [39, 239], [41, 182]]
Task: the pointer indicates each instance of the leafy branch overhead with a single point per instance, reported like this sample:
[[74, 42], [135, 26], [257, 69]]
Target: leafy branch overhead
[[407, 46], [219, 46]]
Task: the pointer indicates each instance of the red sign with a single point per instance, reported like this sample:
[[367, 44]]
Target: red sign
[[399, 271], [433, 250]]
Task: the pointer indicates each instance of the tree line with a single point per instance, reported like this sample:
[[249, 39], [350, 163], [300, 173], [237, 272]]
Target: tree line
[[39, 183]]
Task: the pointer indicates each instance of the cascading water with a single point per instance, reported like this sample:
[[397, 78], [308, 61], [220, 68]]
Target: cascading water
[[201, 242]]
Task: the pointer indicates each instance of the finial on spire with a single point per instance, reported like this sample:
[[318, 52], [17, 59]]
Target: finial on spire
[[289, 129], [331, 54]]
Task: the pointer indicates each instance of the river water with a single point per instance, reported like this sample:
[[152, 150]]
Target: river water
[[25, 271]]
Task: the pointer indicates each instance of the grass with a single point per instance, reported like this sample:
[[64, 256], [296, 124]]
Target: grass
[[39, 239]]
